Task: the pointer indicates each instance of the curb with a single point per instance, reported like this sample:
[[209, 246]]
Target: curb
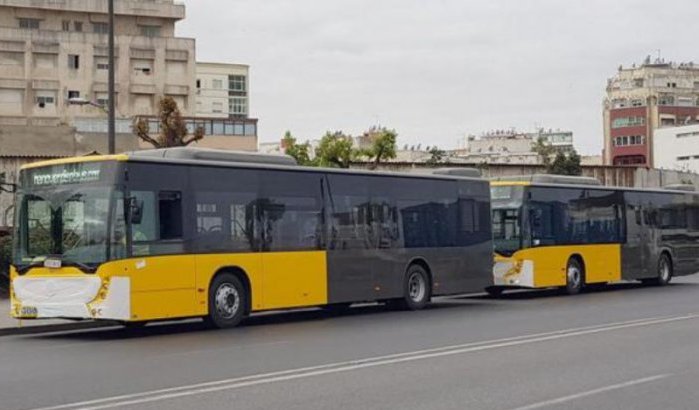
[[49, 328]]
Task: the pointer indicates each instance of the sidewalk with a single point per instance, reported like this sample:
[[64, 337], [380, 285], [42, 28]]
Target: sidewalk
[[10, 326]]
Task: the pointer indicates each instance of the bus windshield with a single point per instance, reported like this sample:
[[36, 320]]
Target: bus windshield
[[507, 215], [507, 232], [81, 224]]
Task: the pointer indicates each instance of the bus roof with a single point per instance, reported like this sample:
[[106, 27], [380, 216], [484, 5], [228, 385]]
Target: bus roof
[[672, 189], [233, 159]]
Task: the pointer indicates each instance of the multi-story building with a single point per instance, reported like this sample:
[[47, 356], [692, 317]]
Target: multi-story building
[[677, 148], [222, 90], [511, 146], [642, 99], [52, 51]]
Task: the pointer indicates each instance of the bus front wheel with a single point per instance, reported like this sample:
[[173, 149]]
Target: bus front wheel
[[575, 276], [227, 301]]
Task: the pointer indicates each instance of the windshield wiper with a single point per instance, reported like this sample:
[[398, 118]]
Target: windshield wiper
[[22, 269]]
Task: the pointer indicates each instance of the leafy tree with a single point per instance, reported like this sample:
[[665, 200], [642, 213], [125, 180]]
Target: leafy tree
[[383, 145], [545, 150], [437, 156], [335, 150], [173, 129], [565, 164], [299, 152]]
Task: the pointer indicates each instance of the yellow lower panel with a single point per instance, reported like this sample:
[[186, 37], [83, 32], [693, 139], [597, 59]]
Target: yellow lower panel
[[602, 263], [294, 279], [164, 304], [209, 265]]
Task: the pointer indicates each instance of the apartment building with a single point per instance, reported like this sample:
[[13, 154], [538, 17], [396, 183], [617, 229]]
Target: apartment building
[[222, 90], [640, 100], [52, 51]]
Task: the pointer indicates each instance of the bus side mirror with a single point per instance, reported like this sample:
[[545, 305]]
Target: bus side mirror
[[135, 208]]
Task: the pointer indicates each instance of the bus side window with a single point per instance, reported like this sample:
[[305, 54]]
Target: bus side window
[[170, 211]]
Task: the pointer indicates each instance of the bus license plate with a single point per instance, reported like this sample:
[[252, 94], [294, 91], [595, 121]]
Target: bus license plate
[[52, 263], [29, 311]]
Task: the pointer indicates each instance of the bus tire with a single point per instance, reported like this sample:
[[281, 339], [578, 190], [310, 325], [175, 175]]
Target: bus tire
[[134, 325], [336, 308], [664, 272], [227, 301], [575, 276], [495, 291], [416, 289]]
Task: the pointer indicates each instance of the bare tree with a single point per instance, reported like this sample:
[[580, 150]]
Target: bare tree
[[173, 129]]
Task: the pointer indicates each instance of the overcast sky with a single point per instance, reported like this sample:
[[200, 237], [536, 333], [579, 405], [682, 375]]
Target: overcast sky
[[436, 70]]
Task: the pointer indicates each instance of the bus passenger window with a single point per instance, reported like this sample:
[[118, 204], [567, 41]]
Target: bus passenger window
[[170, 207]]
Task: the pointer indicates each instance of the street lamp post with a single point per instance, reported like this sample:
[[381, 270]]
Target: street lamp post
[[111, 126]]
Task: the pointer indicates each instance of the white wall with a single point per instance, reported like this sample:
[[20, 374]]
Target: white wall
[[677, 148]]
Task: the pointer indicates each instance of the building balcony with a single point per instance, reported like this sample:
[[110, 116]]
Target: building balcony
[[167, 9]]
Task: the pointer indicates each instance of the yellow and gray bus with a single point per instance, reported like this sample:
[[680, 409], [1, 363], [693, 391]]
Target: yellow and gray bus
[[182, 233], [567, 232]]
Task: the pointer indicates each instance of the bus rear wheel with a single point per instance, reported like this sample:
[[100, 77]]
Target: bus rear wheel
[[227, 302], [575, 276], [664, 275], [416, 289]]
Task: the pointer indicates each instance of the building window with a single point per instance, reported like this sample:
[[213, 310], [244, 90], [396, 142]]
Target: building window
[[45, 99], [637, 103], [217, 84], [237, 83], [78, 26], [66, 25], [73, 61], [628, 122], [666, 100], [238, 106], [667, 122], [73, 94], [29, 23], [100, 28], [150, 31], [629, 140], [217, 108], [143, 66], [198, 84], [102, 63], [103, 99]]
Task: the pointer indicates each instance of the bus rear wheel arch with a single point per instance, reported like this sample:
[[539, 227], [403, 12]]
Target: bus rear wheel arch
[[575, 275], [228, 300]]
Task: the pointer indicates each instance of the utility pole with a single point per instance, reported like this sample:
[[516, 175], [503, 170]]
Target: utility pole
[[111, 126]]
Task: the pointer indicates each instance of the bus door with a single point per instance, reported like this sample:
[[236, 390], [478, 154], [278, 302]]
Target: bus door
[[636, 251]]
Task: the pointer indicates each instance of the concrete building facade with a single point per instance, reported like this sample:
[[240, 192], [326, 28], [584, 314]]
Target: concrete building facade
[[677, 148], [51, 51], [642, 99], [511, 146]]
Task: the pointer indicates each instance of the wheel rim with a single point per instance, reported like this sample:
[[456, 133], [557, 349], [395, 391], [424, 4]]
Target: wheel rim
[[227, 301], [417, 288], [664, 270], [574, 277]]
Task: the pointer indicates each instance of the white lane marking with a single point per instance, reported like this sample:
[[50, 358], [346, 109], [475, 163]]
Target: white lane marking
[[593, 392], [286, 375]]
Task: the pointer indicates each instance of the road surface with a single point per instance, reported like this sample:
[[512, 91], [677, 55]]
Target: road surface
[[622, 347]]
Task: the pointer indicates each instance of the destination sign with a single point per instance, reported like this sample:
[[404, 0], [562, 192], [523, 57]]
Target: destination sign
[[77, 173]]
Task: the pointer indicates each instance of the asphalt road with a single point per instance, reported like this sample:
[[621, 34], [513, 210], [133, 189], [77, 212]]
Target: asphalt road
[[623, 347]]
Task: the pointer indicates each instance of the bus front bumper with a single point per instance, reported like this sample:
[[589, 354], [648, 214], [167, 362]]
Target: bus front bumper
[[513, 273], [85, 297]]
